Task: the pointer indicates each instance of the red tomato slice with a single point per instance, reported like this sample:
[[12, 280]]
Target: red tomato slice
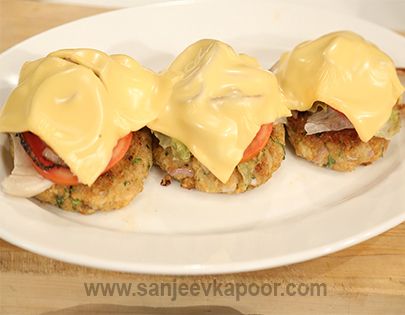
[[58, 175], [258, 143], [35, 149], [119, 151], [62, 174]]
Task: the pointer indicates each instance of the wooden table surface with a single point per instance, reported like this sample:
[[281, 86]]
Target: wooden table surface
[[365, 279]]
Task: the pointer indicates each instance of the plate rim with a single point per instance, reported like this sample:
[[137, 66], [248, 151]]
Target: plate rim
[[206, 268]]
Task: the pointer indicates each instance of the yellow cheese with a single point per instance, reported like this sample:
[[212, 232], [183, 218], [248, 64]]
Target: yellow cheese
[[81, 102], [219, 101], [346, 72]]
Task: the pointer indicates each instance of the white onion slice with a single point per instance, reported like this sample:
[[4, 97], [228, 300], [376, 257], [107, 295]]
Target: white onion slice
[[24, 181], [181, 172], [327, 120]]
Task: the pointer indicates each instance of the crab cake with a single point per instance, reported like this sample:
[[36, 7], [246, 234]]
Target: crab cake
[[77, 122], [339, 150], [220, 131], [112, 190], [344, 93], [247, 175]]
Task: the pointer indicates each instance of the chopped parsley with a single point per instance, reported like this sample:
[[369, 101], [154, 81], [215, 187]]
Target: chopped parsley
[[136, 160], [76, 202], [59, 200], [331, 161]]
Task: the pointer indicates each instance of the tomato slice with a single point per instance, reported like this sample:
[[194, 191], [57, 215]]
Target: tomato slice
[[60, 174], [258, 143], [119, 151], [35, 149]]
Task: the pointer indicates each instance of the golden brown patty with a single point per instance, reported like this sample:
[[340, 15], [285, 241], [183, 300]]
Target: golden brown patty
[[112, 190], [339, 150], [246, 176]]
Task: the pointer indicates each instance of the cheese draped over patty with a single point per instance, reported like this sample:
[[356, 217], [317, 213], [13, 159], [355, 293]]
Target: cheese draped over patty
[[219, 101], [346, 72], [80, 102]]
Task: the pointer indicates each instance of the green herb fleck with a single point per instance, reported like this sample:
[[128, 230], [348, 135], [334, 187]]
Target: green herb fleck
[[331, 161], [59, 200], [136, 160], [126, 183], [76, 202]]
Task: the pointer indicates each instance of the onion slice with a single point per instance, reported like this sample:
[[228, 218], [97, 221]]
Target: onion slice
[[327, 120], [181, 172], [24, 180]]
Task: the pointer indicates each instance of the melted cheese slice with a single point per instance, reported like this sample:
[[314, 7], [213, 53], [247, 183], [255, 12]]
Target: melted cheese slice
[[346, 72], [219, 101], [81, 102]]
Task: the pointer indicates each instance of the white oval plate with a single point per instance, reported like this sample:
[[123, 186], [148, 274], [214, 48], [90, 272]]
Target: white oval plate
[[301, 213]]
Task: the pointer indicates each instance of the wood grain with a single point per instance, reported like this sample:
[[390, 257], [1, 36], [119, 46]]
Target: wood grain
[[365, 279]]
